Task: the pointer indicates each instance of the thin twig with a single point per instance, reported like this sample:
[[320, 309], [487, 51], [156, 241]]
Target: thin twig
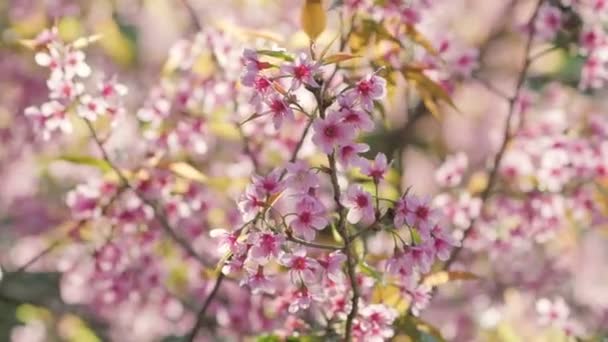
[[313, 244], [485, 195], [201, 314]]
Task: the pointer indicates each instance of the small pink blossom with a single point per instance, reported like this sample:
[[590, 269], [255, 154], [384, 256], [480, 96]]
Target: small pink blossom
[[348, 154], [331, 132], [552, 312], [279, 110], [309, 216], [332, 263], [300, 177], [376, 169], [548, 21], [270, 184], [50, 117], [251, 203], [302, 71], [91, 108], [357, 119], [371, 88], [420, 297], [450, 173], [257, 281], [265, 246], [360, 205], [301, 268]]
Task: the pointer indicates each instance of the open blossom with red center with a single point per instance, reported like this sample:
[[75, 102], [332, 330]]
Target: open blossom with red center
[[371, 88], [265, 246], [376, 169], [309, 216], [360, 205], [302, 71], [301, 267], [349, 154], [279, 110], [331, 132]]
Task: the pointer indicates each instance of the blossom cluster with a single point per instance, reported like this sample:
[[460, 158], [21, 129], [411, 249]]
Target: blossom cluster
[[245, 193]]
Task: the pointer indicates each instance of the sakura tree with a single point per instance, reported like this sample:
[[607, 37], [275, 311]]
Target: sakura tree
[[350, 170]]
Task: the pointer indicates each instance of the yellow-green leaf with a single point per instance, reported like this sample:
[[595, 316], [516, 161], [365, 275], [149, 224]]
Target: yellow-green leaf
[[188, 171], [419, 39], [338, 57], [87, 160], [429, 90]]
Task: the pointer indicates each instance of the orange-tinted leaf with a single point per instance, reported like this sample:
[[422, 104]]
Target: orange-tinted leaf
[[313, 18], [420, 39]]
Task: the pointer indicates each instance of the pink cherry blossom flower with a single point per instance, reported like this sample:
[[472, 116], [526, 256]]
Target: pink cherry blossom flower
[[376, 322], [279, 110], [50, 117], [371, 88], [228, 241], [301, 268], [331, 132], [400, 263], [420, 214], [253, 65], [301, 299], [420, 297], [548, 21], [450, 173], [464, 62], [421, 255], [265, 246], [591, 38], [302, 71], [270, 184], [552, 312], [402, 210], [376, 169], [84, 201], [64, 89], [251, 203], [300, 177], [309, 216], [442, 243], [91, 108], [357, 119], [234, 265], [594, 73], [348, 154], [257, 281], [360, 205], [332, 263]]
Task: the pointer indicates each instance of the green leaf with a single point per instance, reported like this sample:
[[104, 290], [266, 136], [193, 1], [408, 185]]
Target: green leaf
[[188, 171], [280, 54], [88, 161], [369, 271]]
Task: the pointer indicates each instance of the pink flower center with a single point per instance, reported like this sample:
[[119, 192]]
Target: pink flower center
[[422, 212], [361, 201], [299, 263], [301, 71], [364, 87], [305, 217], [331, 131]]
